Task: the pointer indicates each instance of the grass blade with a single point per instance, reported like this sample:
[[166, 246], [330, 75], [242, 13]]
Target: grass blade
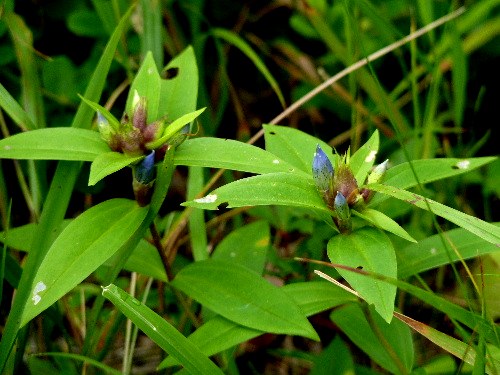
[[161, 332]]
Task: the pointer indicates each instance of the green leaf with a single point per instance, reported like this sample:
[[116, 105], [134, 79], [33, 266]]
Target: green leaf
[[85, 244], [429, 170], [372, 250], [219, 333], [179, 94], [384, 222], [275, 188], [110, 162], [54, 144], [294, 146], [146, 261], [147, 83], [363, 159], [173, 128], [229, 154], [486, 231], [113, 122], [390, 338], [247, 246], [243, 296], [430, 252], [244, 47], [161, 332]]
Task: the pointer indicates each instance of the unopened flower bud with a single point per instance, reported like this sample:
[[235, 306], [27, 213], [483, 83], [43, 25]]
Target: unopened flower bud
[[140, 114], [378, 173], [345, 182], [144, 175], [145, 170], [322, 171], [104, 127]]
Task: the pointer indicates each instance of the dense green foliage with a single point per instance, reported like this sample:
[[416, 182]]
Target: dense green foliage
[[184, 187]]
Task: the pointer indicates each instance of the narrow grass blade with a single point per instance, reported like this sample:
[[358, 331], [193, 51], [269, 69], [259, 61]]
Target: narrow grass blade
[[456, 347], [14, 110], [80, 358], [161, 332], [244, 47], [197, 227]]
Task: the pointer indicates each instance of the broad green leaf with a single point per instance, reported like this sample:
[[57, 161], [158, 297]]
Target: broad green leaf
[[85, 244], [244, 47], [54, 144], [372, 250], [243, 296], [384, 222], [229, 154], [335, 359], [429, 170], [147, 83], [294, 146], [456, 347], [275, 188], [110, 162], [363, 159], [431, 253], [486, 231], [146, 261], [175, 127], [161, 332], [219, 333], [351, 320], [179, 93], [247, 246]]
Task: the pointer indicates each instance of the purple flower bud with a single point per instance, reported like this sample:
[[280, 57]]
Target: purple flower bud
[[140, 114], [344, 181], [145, 170], [322, 171]]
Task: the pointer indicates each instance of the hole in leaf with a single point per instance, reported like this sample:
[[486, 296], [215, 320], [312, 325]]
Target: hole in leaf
[[359, 267], [222, 206], [272, 133], [170, 73]]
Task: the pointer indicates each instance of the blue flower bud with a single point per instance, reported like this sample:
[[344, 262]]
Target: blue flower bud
[[145, 170], [322, 171]]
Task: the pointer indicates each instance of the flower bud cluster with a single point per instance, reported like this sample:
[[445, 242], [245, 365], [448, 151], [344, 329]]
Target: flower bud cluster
[[338, 187], [133, 136]]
